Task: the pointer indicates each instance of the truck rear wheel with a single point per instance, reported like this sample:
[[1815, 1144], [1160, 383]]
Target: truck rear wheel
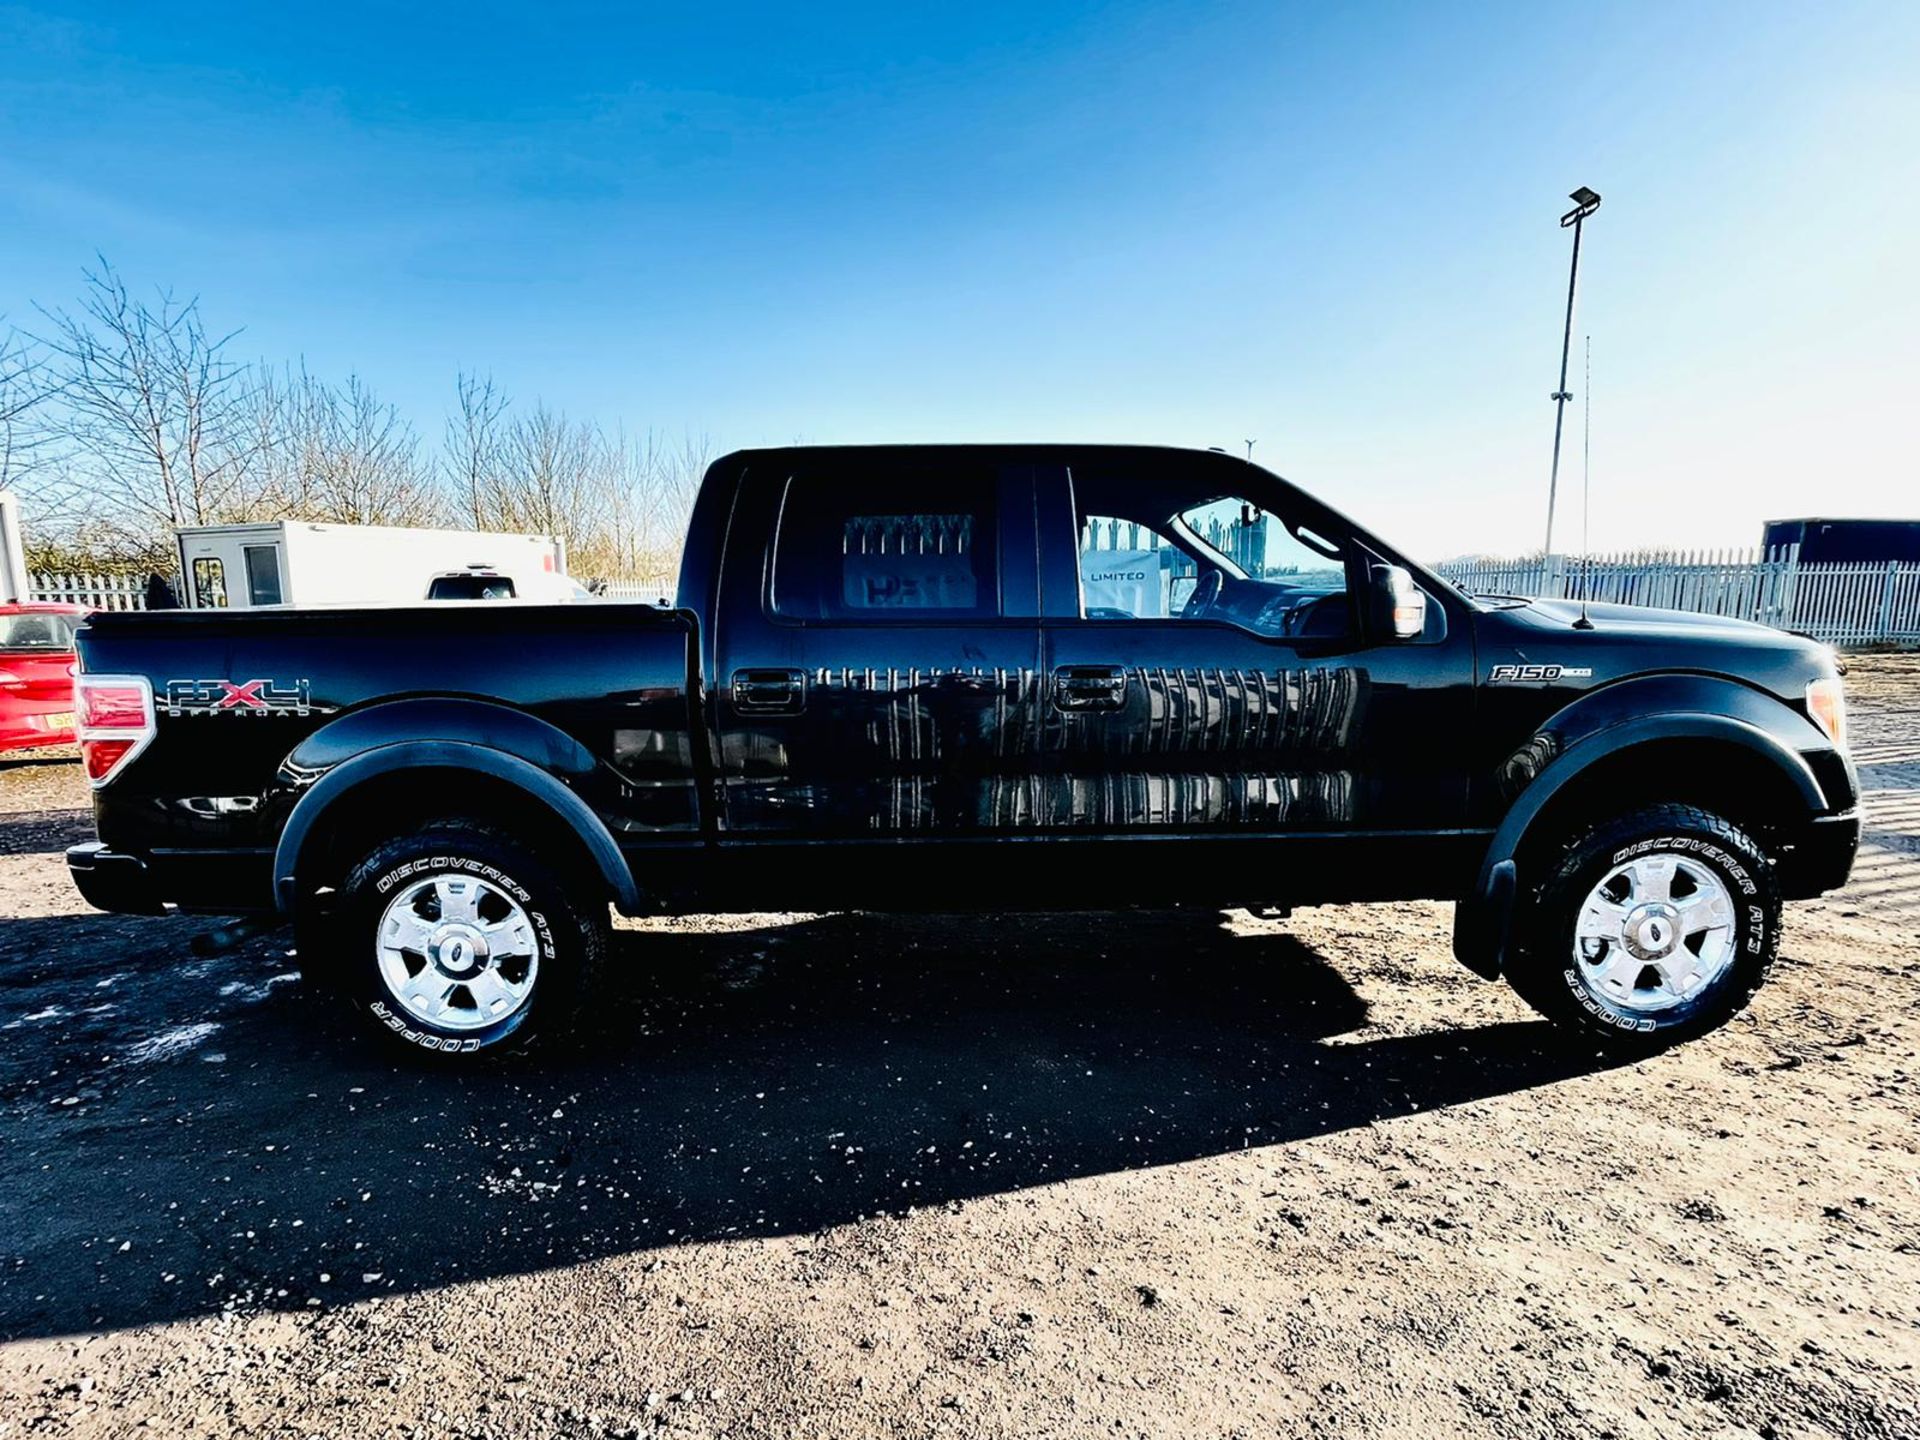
[[1650, 929], [456, 941]]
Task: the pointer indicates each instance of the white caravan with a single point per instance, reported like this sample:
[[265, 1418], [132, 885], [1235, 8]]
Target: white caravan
[[294, 562]]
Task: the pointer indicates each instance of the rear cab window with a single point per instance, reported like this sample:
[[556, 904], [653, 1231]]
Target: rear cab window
[[869, 548], [471, 587]]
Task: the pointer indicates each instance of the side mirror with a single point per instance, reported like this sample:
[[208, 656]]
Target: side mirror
[[1399, 605]]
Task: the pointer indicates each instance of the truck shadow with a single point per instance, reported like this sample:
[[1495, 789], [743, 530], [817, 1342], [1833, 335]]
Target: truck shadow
[[754, 1078]]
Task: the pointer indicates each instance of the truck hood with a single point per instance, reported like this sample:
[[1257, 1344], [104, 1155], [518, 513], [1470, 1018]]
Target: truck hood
[[1627, 640], [1644, 620]]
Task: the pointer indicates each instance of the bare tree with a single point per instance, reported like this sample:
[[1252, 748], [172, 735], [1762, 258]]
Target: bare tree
[[139, 421], [551, 479], [151, 404], [342, 455], [474, 442], [25, 385], [647, 488]]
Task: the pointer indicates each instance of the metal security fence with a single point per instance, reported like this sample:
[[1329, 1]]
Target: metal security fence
[[1841, 604], [1854, 604]]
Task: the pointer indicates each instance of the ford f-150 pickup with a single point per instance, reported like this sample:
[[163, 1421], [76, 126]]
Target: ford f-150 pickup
[[975, 677]]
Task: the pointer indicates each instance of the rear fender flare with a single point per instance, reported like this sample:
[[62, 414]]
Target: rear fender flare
[[538, 785]]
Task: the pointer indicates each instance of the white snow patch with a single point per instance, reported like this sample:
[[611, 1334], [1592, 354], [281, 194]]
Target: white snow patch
[[254, 994], [168, 1044]]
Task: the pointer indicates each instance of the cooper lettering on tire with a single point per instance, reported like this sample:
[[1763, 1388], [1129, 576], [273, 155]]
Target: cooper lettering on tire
[[1649, 929], [457, 941]]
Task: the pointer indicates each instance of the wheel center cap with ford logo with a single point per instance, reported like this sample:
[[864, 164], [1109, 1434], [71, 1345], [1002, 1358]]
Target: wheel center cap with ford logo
[[460, 951], [1652, 931]]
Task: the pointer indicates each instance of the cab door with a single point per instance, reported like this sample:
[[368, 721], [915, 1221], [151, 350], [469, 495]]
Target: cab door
[[876, 657], [1212, 677]]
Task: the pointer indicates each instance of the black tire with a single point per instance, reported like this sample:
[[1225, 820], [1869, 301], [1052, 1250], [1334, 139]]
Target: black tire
[[567, 931], [1562, 985]]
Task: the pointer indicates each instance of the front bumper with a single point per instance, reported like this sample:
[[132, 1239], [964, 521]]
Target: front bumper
[[1821, 857], [107, 880]]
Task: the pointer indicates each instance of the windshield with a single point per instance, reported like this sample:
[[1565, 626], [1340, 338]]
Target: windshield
[[49, 632]]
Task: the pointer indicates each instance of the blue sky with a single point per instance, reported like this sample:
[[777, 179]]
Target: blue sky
[[1327, 228]]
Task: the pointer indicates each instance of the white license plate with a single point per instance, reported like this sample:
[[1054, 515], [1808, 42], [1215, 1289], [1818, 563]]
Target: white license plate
[[58, 720]]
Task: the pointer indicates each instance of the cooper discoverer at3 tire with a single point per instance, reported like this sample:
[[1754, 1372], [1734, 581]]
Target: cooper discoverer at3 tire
[[457, 942], [1650, 929]]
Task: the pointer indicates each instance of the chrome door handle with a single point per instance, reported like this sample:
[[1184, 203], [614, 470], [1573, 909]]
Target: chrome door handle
[[1090, 687], [769, 692]]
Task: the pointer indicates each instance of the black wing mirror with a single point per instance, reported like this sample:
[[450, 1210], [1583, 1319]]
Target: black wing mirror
[[1399, 606]]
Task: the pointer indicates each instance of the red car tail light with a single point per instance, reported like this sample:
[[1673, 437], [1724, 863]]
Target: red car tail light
[[113, 716]]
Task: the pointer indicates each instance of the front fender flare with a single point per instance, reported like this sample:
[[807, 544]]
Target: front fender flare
[[457, 755], [1483, 920]]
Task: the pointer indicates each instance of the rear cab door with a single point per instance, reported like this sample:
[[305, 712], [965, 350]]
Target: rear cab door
[[1214, 676], [876, 693]]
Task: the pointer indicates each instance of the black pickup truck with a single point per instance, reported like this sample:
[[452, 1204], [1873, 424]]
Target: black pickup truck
[[975, 678]]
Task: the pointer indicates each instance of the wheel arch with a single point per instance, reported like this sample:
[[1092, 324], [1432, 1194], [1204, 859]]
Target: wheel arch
[[1719, 762], [338, 804]]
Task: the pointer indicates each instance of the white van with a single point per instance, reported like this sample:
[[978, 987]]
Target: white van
[[295, 562]]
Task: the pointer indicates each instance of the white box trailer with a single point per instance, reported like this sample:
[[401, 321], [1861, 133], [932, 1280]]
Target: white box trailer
[[297, 562]]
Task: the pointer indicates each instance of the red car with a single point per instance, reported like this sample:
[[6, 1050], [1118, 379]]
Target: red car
[[36, 675]]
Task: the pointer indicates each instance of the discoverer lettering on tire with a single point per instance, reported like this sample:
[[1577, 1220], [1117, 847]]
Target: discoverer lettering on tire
[[1648, 929], [458, 941]]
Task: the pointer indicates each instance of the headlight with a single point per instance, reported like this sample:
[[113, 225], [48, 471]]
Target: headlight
[[1827, 704]]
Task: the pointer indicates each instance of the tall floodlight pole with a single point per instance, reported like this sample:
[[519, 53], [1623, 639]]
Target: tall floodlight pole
[[1585, 202]]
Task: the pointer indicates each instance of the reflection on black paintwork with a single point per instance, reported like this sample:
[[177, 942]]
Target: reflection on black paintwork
[[1184, 799], [1196, 710], [978, 749]]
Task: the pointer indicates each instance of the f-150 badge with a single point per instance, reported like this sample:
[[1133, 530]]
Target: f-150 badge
[[1536, 674], [239, 697]]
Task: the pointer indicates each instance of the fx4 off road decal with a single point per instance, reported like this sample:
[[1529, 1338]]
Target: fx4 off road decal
[[240, 697], [1537, 674]]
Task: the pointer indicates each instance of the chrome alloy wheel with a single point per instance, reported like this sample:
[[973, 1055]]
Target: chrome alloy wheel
[[457, 952], [1654, 933]]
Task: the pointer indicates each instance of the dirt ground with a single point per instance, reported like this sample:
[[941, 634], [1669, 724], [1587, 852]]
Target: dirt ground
[[848, 1175]]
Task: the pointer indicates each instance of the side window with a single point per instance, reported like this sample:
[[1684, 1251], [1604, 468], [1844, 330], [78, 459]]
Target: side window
[[914, 547], [209, 584], [263, 574], [1130, 571], [1157, 545]]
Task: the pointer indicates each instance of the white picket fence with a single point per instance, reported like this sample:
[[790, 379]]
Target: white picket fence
[[1841, 604], [96, 592], [649, 589]]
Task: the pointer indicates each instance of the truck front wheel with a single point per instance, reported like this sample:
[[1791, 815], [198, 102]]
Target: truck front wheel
[[455, 941], [1649, 929]]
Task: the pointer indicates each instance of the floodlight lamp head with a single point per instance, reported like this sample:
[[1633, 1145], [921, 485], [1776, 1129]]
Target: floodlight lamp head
[[1585, 202]]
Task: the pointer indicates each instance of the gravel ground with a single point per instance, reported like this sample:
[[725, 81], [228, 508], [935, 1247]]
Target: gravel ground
[[849, 1175]]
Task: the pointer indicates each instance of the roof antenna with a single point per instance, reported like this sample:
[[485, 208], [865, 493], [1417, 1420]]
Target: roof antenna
[[1586, 490]]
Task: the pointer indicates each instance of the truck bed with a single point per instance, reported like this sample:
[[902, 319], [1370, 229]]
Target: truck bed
[[252, 708]]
